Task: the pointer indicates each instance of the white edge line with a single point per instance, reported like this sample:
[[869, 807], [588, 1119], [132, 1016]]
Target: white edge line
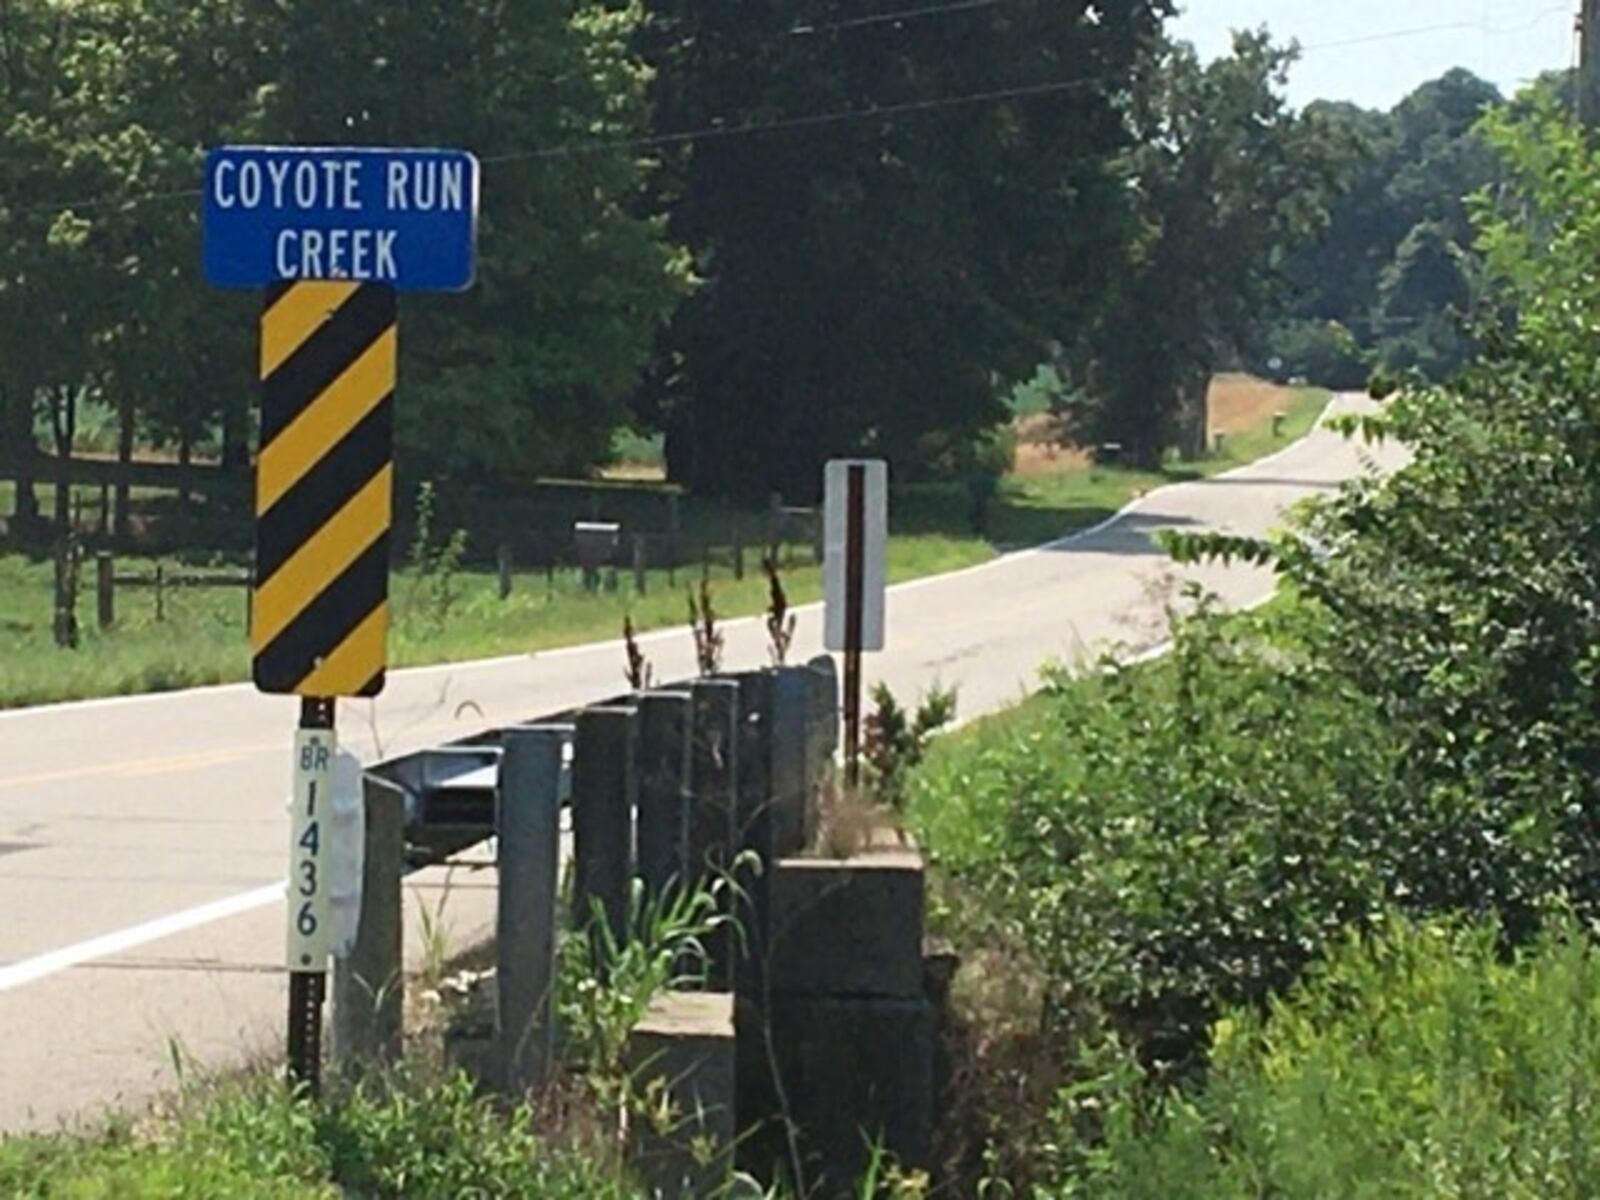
[[676, 631], [31, 970], [34, 969]]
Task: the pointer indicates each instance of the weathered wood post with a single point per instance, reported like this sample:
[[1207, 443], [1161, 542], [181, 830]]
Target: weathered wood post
[[1278, 418], [774, 522], [161, 598], [714, 781], [503, 563], [664, 775], [105, 588], [369, 985], [674, 530], [604, 791], [641, 582], [528, 825]]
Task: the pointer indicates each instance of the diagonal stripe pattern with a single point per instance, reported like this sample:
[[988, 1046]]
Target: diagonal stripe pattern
[[324, 486]]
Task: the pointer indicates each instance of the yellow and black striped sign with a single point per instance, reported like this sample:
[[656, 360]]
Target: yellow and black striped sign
[[323, 489]]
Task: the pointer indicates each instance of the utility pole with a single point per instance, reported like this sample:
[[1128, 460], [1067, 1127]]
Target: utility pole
[[1588, 86]]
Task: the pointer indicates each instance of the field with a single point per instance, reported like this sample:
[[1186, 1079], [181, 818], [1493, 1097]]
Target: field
[[201, 638]]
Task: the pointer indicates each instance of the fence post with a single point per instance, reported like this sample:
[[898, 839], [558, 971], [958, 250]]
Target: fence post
[[105, 581], [604, 788], [66, 591], [503, 562], [369, 986], [161, 600], [640, 579], [674, 530], [738, 554], [714, 781], [774, 522], [664, 758], [528, 825]]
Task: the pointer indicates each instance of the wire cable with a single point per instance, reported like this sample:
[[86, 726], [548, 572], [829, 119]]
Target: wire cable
[[1424, 30], [720, 131]]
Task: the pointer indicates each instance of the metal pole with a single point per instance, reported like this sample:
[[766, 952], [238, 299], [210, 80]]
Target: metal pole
[[369, 984], [308, 916], [528, 825], [854, 586]]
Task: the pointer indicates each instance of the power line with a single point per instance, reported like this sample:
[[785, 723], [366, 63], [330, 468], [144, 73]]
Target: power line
[[718, 132], [839, 116], [1446, 27], [910, 14]]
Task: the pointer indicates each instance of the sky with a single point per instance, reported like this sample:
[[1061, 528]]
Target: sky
[[1384, 52]]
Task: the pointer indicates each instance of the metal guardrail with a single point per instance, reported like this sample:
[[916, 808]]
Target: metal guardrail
[[667, 787]]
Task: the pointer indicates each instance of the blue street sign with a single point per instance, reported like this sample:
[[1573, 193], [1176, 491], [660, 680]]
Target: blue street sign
[[406, 218]]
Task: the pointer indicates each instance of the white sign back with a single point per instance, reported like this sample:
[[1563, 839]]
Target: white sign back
[[855, 553]]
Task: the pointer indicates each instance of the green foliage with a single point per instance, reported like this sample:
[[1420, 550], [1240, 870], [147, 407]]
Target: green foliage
[[110, 106], [1325, 351], [1175, 836], [895, 741], [607, 985], [435, 563], [1394, 265], [411, 1138], [869, 282], [1222, 178], [1421, 1064]]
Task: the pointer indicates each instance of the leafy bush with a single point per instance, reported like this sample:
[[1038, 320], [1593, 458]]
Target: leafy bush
[[1171, 837], [1459, 595], [1422, 1064]]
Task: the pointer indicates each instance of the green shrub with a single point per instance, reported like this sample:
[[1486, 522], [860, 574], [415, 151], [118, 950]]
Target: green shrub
[[1421, 1064], [1170, 837]]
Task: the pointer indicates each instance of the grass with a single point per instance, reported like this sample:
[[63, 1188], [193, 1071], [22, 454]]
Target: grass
[[251, 1140], [203, 639], [1421, 1063]]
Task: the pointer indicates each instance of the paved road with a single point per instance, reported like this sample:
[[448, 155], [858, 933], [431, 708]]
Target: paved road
[[141, 839]]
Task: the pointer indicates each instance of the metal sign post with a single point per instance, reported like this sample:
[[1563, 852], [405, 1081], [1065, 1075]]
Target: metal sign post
[[855, 578], [330, 235]]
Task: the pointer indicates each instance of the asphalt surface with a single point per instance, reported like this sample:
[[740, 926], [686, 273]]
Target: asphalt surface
[[142, 839]]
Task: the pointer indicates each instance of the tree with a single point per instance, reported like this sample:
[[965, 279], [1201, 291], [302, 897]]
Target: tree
[[880, 254], [1394, 263], [1223, 179], [529, 373], [1458, 595]]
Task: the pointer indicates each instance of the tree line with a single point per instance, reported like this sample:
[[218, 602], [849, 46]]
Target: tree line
[[773, 233]]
